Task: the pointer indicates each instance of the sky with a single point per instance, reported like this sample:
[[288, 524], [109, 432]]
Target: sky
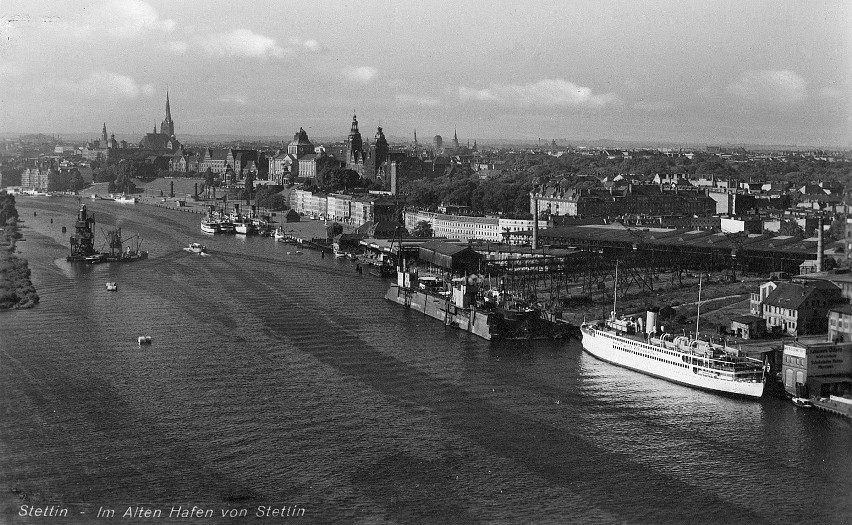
[[705, 72]]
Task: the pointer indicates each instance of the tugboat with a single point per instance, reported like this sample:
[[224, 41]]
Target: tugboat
[[117, 252]]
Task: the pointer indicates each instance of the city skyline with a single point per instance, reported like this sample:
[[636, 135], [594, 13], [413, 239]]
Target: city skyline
[[759, 73]]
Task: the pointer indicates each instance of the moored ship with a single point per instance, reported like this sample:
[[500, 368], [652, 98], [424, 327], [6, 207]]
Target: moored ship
[[465, 307], [689, 361]]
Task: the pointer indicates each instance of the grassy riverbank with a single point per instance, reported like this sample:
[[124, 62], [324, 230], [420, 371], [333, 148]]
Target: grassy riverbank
[[16, 288]]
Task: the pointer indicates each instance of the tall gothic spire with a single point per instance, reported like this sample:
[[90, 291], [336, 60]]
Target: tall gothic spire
[[168, 125], [168, 108]]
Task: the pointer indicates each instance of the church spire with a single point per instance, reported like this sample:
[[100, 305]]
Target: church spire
[[168, 126], [168, 108], [104, 134]]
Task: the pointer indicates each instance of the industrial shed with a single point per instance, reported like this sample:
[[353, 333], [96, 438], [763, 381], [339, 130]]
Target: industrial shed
[[450, 257]]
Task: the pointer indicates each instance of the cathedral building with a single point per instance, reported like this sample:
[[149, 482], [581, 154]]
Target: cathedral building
[[164, 142]]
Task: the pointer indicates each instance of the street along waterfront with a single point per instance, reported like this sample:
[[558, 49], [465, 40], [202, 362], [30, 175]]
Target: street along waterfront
[[281, 380]]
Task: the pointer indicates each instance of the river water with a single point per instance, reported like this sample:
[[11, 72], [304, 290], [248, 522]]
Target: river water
[[282, 380]]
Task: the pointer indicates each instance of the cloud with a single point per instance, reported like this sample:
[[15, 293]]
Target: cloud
[[104, 84], [363, 74], [414, 100], [243, 43], [235, 99], [770, 87], [548, 92], [132, 18], [311, 44], [178, 46], [121, 19]]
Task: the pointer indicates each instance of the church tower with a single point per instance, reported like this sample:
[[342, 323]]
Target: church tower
[[355, 148], [104, 136], [455, 141], [380, 149], [168, 125]]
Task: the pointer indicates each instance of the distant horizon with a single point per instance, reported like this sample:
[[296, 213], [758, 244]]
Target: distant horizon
[[393, 139]]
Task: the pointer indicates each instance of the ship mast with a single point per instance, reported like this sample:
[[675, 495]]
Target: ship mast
[[698, 313], [615, 289]]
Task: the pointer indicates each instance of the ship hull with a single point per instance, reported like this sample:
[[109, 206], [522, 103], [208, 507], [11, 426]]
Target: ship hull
[[643, 358]]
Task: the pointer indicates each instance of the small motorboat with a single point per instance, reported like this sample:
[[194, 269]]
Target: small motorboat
[[111, 286], [802, 402], [144, 340], [197, 248]]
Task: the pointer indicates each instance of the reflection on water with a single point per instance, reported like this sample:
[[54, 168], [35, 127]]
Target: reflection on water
[[280, 379]]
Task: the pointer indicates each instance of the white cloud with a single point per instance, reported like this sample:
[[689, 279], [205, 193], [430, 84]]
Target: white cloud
[[312, 45], [235, 99], [104, 84], [363, 74], [414, 100], [133, 17], [243, 43], [548, 92], [115, 18], [771, 87], [178, 46]]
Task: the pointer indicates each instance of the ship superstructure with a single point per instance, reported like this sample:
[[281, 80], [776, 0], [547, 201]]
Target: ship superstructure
[[686, 360]]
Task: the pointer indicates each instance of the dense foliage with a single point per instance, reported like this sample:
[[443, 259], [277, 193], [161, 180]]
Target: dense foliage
[[16, 288], [269, 197], [506, 190]]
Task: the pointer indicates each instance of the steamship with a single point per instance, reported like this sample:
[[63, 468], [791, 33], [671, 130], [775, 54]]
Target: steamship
[[689, 361]]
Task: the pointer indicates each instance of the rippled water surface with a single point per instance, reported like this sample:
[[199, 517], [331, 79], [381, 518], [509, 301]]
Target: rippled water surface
[[284, 380]]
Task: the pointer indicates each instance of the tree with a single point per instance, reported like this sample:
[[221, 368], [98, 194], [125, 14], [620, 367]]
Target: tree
[[77, 182], [791, 228], [338, 179], [249, 186], [423, 229], [123, 183], [333, 229], [209, 178]]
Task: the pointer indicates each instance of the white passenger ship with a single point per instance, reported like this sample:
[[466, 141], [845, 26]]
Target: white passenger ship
[[692, 362]]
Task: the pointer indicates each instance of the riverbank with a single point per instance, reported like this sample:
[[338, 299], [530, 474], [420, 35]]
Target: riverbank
[[16, 288]]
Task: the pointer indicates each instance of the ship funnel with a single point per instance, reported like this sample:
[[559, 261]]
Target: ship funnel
[[651, 319]]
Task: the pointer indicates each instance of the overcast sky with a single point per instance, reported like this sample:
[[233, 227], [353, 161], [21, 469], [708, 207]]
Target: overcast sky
[[774, 72]]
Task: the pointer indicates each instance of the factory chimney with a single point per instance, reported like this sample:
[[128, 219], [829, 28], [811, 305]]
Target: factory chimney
[[820, 247], [535, 223]]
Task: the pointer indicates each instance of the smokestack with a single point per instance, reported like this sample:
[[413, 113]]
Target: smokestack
[[535, 223], [820, 247]]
